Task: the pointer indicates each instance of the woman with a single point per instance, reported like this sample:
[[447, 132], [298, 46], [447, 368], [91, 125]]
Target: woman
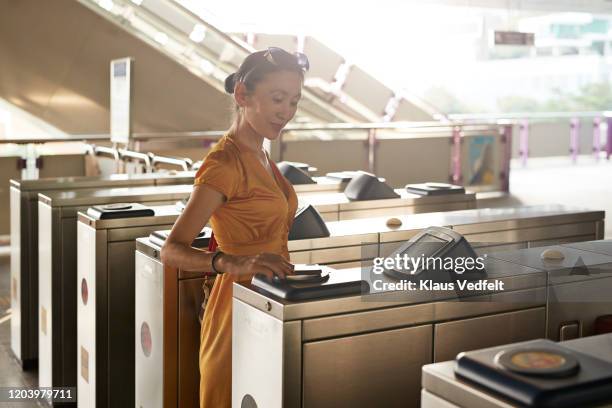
[[249, 203]]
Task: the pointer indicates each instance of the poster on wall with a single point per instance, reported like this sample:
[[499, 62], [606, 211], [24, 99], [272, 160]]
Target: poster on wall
[[481, 163], [120, 100]]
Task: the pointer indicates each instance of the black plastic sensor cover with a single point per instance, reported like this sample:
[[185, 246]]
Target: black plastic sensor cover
[[294, 174], [302, 166], [366, 186], [119, 210], [308, 224]]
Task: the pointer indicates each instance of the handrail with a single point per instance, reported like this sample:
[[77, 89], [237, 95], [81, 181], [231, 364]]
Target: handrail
[[184, 163], [214, 135], [454, 120], [105, 151], [403, 125], [140, 137], [142, 157], [74, 138], [514, 117]]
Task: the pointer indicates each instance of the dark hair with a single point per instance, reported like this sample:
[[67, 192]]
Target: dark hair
[[260, 63]]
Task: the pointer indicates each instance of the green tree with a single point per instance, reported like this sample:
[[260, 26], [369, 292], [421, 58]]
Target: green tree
[[560, 102], [447, 102], [594, 97], [515, 103]]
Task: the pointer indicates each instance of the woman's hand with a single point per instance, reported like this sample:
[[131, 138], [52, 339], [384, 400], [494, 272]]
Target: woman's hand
[[264, 263]]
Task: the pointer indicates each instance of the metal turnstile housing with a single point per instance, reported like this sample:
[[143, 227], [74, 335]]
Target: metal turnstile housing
[[579, 286], [336, 207], [24, 246], [168, 303], [292, 354], [443, 389], [105, 299], [57, 297], [349, 243]]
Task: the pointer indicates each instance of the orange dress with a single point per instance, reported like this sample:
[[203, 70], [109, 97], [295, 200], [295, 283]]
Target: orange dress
[[255, 218]]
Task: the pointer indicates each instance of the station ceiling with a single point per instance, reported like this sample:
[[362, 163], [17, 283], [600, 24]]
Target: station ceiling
[[55, 65]]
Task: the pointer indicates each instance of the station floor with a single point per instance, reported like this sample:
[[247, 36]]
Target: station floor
[[11, 374], [556, 180], [587, 183]]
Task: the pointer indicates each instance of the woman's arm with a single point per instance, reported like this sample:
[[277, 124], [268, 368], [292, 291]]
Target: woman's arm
[[177, 250]]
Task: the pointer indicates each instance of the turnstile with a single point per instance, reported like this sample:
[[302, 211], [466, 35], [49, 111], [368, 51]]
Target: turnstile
[[375, 344], [157, 370], [291, 354], [336, 207], [580, 285], [164, 343], [168, 302], [105, 303], [346, 244], [442, 388], [24, 246], [57, 297], [496, 229], [24, 240]]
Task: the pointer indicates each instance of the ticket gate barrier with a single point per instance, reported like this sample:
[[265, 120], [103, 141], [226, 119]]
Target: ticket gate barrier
[[299, 175], [157, 380], [367, 196], [24, 246], [24, 240], [105, 357], [337, 207], [580, 283], [443, 388], [57, 297], [105, 299], [290, 353], [497, 229], [168, 303], [377, 347]]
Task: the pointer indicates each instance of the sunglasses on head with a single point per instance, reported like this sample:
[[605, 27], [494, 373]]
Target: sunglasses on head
[[278, 56]]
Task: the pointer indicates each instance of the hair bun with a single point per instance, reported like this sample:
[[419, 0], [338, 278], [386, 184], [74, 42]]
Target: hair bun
[[230, 83]]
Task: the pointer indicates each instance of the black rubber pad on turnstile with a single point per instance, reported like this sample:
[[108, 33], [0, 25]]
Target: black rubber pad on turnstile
[[304, 291], [119, 210], [433, 189]]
